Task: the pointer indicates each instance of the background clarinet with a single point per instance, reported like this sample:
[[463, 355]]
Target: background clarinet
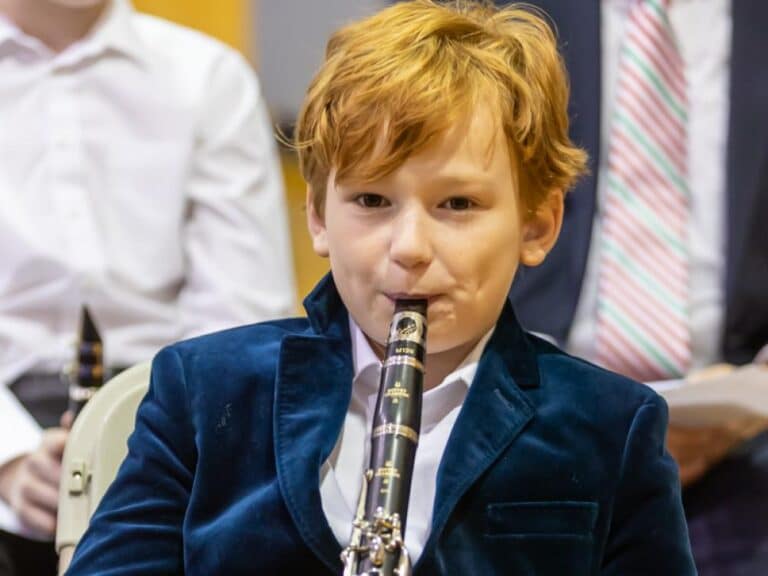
[[86, 375]]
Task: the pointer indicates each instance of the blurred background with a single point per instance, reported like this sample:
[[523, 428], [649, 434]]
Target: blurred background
[[285, 41]]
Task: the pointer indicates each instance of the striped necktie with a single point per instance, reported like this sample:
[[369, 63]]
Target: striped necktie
[[642, 319]]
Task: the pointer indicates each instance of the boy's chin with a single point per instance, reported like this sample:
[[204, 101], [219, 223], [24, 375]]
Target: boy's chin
[[450, 346]]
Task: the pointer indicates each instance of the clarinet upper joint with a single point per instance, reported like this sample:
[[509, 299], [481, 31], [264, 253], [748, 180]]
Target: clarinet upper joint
[[377, 545]]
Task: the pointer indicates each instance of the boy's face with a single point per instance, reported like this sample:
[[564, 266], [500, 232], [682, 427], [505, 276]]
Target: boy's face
[[447, 225]]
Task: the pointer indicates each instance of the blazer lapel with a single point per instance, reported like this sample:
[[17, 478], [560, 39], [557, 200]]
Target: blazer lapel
[[494, 413], [312, 392]]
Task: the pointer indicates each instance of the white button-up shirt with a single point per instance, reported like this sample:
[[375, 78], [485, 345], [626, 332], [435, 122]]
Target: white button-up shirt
[[341, 475], [139, 175]]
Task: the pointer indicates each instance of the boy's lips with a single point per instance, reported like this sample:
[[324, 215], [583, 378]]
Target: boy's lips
[[410, 296]]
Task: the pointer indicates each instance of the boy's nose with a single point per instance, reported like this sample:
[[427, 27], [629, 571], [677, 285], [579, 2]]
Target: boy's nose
[[409, 244]]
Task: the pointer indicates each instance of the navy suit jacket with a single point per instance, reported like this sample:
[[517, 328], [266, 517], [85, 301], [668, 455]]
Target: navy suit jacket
[[547, 296], [553, 467]]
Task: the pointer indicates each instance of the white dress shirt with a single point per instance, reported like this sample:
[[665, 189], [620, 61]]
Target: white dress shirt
[[139, 175], [703, 32], [341, 475]]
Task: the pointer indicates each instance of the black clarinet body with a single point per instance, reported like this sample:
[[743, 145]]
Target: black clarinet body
[[86, 374], [377, 546]]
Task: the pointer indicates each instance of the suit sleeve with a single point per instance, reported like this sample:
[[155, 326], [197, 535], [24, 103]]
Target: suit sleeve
[[648, 532], [137, 528]]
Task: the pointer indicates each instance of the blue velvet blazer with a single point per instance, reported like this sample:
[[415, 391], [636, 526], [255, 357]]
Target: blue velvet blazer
[[554, 467]]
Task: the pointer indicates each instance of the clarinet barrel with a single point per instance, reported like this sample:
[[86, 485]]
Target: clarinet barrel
[[377, 545]]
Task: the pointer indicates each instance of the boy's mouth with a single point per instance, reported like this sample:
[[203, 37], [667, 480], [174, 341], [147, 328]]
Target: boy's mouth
[[410, 296]]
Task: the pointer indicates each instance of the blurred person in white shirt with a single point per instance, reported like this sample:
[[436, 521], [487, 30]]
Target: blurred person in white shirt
[[138, 175]]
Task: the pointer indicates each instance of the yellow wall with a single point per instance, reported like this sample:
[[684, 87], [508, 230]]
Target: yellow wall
[[308, 266], [227, 20]]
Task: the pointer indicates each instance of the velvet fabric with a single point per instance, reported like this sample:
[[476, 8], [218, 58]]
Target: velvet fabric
[[554, 466]]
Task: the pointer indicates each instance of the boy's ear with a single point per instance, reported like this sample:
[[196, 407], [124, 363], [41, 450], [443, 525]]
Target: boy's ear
[[540, 228], [316, 226]]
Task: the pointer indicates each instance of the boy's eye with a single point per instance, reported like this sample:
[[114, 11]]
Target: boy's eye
[[369, 200], [458, 203]]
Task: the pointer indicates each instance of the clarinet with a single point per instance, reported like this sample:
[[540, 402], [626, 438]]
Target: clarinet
[[377, 545], [86, 374]]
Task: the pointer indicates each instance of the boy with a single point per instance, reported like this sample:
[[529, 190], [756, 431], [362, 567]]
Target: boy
[[434, 144]]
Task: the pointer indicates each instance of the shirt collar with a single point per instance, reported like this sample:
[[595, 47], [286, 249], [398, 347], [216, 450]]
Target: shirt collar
[[366, 362], [437, 403], [115, 30], [8, 30]]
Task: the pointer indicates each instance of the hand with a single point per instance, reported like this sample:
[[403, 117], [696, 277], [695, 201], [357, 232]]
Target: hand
[[67, 419], [30, 483], [696, 450]]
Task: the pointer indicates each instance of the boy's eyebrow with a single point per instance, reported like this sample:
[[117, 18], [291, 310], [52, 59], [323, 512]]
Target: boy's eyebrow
[[476, 180]]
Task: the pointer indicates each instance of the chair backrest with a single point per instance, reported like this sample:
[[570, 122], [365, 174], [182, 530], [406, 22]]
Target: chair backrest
[[94, 451]]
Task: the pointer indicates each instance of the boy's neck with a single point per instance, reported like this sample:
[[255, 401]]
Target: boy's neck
[[55, 25], [441, 364]]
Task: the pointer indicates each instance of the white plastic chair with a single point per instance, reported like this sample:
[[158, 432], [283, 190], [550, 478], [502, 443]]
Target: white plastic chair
[[95, 449]]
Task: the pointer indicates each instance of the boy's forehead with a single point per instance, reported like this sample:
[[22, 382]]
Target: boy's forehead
[[465, 146], [475, 136]]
